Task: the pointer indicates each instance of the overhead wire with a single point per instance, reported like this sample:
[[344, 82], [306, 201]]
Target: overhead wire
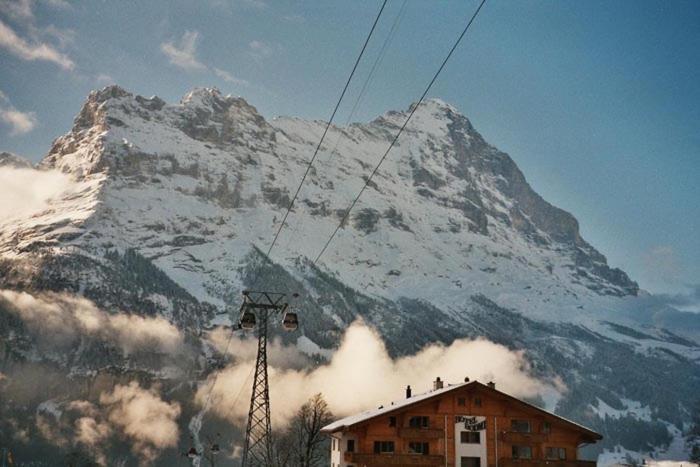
[[301, 183], [323, 136], [398, 134], [380, 57]]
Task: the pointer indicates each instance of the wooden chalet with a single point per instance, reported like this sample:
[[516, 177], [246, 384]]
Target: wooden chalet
[[464, 425]]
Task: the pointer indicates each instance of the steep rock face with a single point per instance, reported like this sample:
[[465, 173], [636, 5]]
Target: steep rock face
[[175, 178], [171, 207]]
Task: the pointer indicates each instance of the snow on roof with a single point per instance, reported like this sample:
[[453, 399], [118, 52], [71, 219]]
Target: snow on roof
[[368, 414]]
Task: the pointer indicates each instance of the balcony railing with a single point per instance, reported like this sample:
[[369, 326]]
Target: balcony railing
[[422, 433], [521, 437], [380, 460], [508, 462]]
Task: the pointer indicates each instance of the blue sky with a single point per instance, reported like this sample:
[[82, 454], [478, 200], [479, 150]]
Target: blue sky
[[597, 101]]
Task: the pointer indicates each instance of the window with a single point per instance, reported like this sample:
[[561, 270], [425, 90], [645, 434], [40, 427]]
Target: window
[[470, 462], [383, 447], [351, 445], [419, 448], [461, 401], [546, 427], [520, 426], [418, 422], [392, 421], [557, 454], [522, 452], [333, 448], [470, 437], [477, 401]]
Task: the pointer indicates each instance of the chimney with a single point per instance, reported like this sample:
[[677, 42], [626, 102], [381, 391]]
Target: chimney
[[437, 384], [466, 379], [491, 384], [408, 392]]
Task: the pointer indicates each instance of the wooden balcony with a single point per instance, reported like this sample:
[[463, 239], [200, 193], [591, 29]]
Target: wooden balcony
[[520, 437], [381, 460], [421, 433], [507, 462]]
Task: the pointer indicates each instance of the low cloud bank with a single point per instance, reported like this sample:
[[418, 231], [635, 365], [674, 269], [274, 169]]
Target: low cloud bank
[[362, 375], [60, 319], [25, 192], [129, 412]]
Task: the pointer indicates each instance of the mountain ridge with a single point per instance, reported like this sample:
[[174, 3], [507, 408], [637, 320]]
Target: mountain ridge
[[171, 207]]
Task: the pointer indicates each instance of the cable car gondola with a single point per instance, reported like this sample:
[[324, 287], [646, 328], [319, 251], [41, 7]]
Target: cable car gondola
[[290, 322], [247, 321]]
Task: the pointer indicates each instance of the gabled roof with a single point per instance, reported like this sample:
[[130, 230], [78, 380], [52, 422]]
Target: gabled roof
[[356, 419]]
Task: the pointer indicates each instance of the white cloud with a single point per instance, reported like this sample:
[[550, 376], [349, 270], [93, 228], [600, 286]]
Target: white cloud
[[32, 51], [184, 53], [228, 77], [127, 412], [147, 420], [362, 352], [259, 50], [26, 191], [103, 79], [61, 318], [19, 122]]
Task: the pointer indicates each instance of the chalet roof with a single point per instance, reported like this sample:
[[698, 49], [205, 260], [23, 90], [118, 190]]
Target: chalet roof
[[351, 420], [369, 414]]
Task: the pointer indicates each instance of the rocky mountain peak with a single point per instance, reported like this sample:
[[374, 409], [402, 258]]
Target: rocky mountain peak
[[7, 159]]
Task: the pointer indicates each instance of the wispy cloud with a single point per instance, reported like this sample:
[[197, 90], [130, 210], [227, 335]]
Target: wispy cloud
[[19, 122], [103, 79], [128, 412], [228, 77], [32, 50], [183, 53], [259, 50], [689, 301], [60, 319]]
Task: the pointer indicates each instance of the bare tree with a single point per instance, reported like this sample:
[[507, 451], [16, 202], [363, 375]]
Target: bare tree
[[303, 444]]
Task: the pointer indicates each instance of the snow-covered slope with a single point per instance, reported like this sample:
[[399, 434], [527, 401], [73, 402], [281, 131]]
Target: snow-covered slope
[[196, 185], [448, 241]]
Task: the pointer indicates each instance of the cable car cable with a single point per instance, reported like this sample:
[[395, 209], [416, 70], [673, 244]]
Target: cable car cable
[[370, 75], [393, 142], [296, 194], [323, 136]]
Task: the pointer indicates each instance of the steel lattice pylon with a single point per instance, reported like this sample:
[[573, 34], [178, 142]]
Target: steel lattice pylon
[[257, 451]]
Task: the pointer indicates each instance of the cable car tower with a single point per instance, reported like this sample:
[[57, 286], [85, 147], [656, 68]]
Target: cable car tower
[[256, 310]]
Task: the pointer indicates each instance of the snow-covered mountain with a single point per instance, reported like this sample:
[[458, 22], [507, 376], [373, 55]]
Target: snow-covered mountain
[[170, 208]]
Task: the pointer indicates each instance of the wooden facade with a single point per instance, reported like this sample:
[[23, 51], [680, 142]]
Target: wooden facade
[[466, 425]]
